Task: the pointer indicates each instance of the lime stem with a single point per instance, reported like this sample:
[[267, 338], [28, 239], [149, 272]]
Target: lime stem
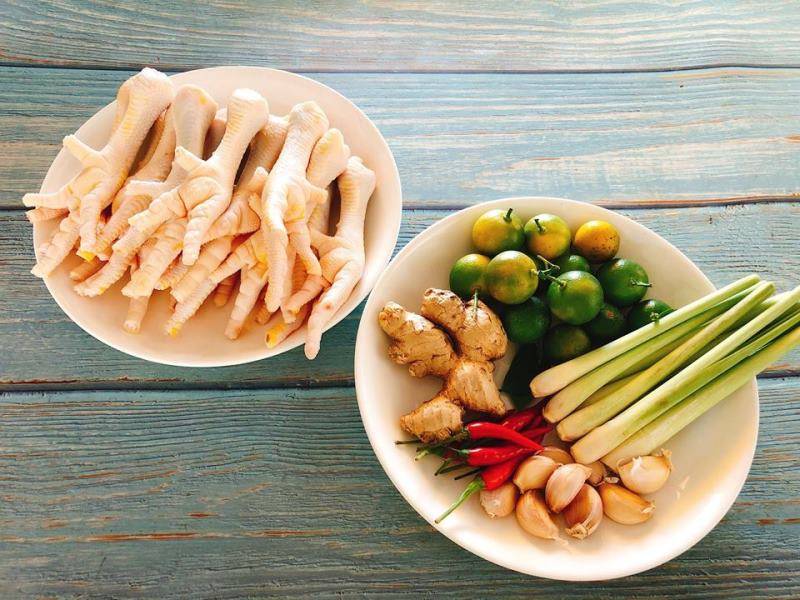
[[550, 266], [641, 283], [547, 277]]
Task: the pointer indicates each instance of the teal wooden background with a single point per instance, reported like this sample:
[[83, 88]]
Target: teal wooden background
[[119, 478]]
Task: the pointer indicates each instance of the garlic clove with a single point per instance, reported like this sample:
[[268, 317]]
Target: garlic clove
[[499, 502], [533, 516], [624, 506], [599, 472], [584, 513], [557, 454], [646, 474], [533, 472], [564, 484]]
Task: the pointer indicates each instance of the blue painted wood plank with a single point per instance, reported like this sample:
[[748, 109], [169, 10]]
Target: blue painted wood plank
[[725, 241], [222, 494], [635, 139], [391, 36]]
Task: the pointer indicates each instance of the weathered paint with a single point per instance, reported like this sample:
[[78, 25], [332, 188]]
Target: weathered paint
[[203, 487]]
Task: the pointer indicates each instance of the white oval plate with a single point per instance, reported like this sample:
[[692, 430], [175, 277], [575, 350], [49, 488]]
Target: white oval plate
[[202, 342], [712, 456]]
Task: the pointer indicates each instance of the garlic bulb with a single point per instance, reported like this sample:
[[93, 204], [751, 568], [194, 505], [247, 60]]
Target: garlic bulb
[[598, 472], [557, 454], [646, 474], [624, 506], [499, 502], [533, 472], [564, 484], [584, 513], [533, 516]]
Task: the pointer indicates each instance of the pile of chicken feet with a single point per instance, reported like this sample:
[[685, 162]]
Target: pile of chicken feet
[[162, 200]]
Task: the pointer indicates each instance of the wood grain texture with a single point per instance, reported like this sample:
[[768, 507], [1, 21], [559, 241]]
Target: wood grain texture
[[638, 139], [209, 494], [726, 242], [398, 36]]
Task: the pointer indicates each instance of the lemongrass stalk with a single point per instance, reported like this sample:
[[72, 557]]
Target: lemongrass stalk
[[654, 357], [603, 439], [571, 397], [583, 421], [658, 432], [556, 378], [607, 389]]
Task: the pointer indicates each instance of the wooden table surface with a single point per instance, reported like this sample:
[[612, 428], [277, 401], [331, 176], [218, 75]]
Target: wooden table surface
[[121, 478]]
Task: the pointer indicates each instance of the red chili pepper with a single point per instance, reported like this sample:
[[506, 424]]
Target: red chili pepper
[[481, 430], [492, 455], [489, 479], [537, 433], [520, 420]]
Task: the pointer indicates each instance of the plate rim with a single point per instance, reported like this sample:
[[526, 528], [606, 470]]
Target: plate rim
[[361, 394], [201, 362]]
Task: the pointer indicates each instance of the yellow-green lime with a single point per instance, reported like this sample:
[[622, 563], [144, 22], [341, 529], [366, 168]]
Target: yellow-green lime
[[466, 276], [496, 231], [511, 277], [547, 235]]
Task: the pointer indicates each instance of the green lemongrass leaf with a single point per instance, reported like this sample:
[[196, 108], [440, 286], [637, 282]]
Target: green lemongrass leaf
[[556, 378], [654, 435], [611, 434], [702, 340]]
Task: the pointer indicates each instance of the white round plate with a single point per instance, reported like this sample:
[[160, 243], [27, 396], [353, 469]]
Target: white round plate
[[712, 456], [202, 342]]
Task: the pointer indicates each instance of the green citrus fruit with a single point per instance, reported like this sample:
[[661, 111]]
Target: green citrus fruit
[[466, 276], [527, 322], [624, 282], [565, 342], [645, 312], [547, 235], [511, 277], [608, 325], [597, 241], [575, 297], [496, 231], [572, 262]]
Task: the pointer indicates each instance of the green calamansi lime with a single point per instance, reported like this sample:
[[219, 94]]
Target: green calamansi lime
[[511, 277], [547, 235], [565, 342], [608, 325], [527, 322], [496, 231], [624, 281], [572, 262], [466, 276], [597, 241], [575, 297], [645, 312]]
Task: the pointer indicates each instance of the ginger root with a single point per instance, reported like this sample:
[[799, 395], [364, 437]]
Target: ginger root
[[424, 344]]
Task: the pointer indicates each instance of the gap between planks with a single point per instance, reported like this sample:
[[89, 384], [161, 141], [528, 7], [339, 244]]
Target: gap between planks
[[179, 386], [136, 66], [643, 203]]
